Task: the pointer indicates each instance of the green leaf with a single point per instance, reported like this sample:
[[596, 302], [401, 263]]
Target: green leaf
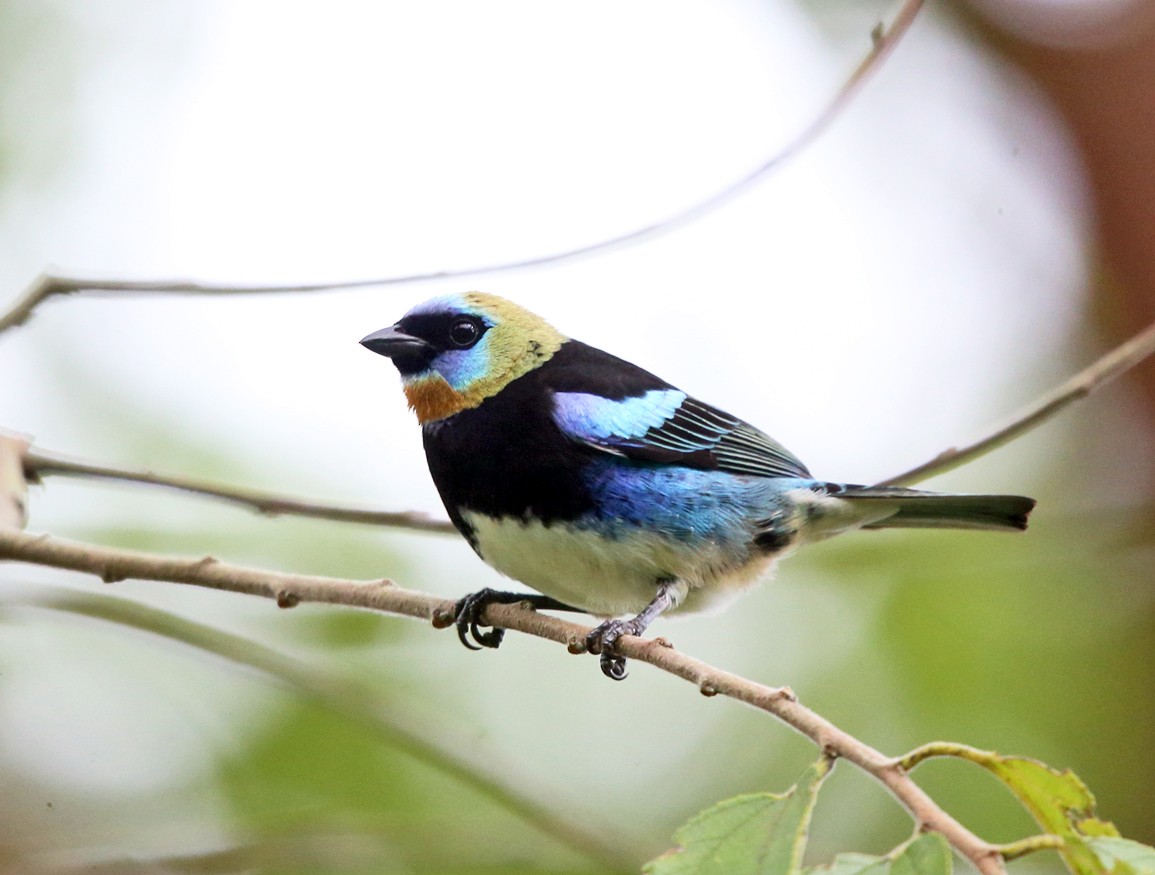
[[854, 864], [1123, 856], [757, 834], [1060, 803], [1058, 800], [927, 854]]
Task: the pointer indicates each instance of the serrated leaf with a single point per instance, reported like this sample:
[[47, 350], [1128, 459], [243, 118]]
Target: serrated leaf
[[1120, 855], [927, 854], [756, 834], [1059, 802], [1092, 827]]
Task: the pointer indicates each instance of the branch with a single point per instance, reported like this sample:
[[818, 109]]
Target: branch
[[1118, 361], [39, 464], [1031, 845], [935, 749], [13, 485], [883, 43], [289, 590], [346, 697]]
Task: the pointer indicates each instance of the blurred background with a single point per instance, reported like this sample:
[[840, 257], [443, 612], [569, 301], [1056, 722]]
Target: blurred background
[[975, 227]]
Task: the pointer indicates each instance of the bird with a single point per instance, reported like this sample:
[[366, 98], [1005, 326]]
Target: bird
[[608, 490]]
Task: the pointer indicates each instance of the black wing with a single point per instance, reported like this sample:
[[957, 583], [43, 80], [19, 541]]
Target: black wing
[[613, 406]]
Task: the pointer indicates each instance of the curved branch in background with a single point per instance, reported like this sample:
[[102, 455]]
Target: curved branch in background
[[884, 40], [39, 464], [344, 696], [1115, 363], [288, 590]]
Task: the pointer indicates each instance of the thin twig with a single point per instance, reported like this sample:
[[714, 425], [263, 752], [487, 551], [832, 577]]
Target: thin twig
[[42, 463], [1118, 361], [883, 43], [342, 695], [382, 595], [935, 749], [1031, 845]]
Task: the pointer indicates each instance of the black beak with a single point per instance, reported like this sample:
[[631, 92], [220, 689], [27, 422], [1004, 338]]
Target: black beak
[[394, 343]]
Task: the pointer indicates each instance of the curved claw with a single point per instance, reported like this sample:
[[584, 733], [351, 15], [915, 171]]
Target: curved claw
[[467, 613], [463, 636], [467, 619], [492, 638], [603, 640], [613, 666]]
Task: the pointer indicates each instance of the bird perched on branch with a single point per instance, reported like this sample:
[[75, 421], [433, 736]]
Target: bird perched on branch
[[605, 488]]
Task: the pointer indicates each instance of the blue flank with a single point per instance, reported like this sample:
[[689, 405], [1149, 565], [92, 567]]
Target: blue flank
[[685, 504], [682, 503], [590, 417]]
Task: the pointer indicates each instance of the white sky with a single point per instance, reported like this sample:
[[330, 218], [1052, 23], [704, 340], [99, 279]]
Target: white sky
[[906, 281]]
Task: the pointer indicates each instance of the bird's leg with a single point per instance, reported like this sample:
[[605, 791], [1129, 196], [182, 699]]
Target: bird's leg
[[604, 639], [468, 610]]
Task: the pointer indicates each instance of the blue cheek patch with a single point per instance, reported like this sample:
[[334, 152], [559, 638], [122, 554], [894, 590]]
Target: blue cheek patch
[[591, 417], [461, 368]]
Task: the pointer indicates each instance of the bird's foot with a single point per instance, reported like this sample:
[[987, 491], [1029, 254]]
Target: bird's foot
[[467, 618], [467, 612], [603, 641]]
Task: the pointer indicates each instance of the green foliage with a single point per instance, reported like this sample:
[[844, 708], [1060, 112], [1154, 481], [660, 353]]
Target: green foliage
[[1123, 856], [1058, 800], [923, 855], [756, 834], [1060, 803], [766, 833]]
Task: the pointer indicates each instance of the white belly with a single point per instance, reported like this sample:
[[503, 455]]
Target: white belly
[[611, 576]]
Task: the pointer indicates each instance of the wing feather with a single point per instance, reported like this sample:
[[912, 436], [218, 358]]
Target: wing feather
[[666, 426]]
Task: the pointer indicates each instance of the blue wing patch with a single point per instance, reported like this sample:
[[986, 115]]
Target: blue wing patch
[[669, 427], [587, 417]]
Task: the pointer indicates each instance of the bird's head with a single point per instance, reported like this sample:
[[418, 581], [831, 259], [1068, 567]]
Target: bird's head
[[455, 351]]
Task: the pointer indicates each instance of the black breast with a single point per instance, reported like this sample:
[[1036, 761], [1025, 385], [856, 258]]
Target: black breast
[[506, 457]]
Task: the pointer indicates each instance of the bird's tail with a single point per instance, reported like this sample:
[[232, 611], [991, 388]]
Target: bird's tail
[[937, 510]]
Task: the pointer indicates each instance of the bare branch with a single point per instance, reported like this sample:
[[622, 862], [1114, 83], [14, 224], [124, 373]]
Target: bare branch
[[341, 694], [41, 463], [883, 42], [1118, 361], [289, 590], [13, 485], [38, 464], [908, 762], [1031, 845]]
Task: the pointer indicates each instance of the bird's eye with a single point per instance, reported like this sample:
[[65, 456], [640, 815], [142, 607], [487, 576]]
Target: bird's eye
[[464, 333]]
